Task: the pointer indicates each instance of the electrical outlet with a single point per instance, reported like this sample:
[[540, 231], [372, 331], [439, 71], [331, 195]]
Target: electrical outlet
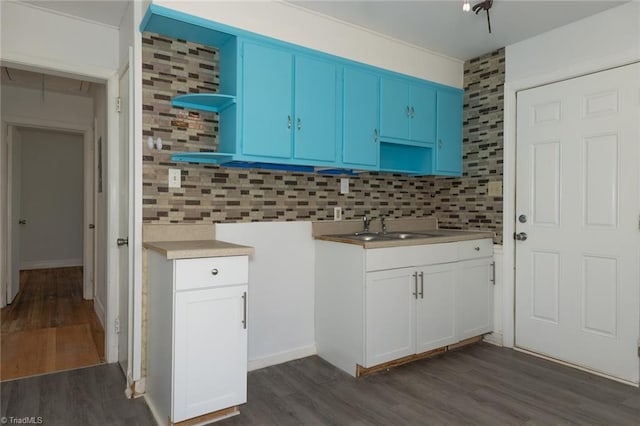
[[175, 179], [344, 185], [495, 189], [337, 213]]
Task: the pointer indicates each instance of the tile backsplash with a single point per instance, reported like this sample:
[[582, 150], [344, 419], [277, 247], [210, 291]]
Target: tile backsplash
[[213, 194]]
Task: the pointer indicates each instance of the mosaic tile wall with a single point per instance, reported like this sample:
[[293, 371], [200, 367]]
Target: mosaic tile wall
[[464, 202], [212, 194]]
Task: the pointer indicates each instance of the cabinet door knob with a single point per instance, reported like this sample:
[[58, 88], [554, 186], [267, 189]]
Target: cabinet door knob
[[214, 271], [476, 248]]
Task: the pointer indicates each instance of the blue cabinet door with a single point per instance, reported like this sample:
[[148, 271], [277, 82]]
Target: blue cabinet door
[[360, 123], [448, 160], [394, 108], [267, 116], [316, 109], [422, 99]]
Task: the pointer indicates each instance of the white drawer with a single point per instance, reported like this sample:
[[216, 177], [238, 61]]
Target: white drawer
[[402, 257], [211, 272], [474, 249]]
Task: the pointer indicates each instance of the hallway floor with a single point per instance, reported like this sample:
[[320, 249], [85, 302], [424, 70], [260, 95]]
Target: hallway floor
[[49, 327]]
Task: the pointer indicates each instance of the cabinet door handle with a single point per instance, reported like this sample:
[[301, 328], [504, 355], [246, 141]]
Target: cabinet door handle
[[493, 273], [244, 316], [408, 111], [415, 285], [214, 271], [413, 112], [299, 123], [440, 143], [375, 135], [421, 285], [288, 121]]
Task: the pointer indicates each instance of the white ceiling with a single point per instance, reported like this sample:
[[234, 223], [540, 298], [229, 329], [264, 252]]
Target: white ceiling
[[443, 27], [440, 26]]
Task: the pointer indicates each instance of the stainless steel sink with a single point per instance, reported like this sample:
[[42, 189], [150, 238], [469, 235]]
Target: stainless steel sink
[[363, 236], [404, 235]]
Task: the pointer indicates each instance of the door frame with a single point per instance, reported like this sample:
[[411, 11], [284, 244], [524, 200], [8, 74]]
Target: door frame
[[110, 79], [87, 209], [511, 89]]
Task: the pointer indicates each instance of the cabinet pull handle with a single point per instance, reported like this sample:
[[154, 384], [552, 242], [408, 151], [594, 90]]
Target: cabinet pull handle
[[288, 121], [421, 285], [244, 316], [476, 248], [299, 123], [408, 111], [375, 135], [214, 271], [440, 143], [413, 112], [493, 273], [415, 285]]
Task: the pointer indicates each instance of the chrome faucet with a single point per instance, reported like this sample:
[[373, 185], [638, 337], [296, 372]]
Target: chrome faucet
[[366, 222]]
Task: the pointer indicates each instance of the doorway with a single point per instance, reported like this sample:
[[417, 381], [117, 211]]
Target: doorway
[[577, 203], [51, 322]]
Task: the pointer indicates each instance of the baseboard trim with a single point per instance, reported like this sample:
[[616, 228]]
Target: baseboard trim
[[47, 264], [282, 357]]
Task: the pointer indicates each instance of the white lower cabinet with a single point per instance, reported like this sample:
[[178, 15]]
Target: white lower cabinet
[[197, 335], [373, 306]]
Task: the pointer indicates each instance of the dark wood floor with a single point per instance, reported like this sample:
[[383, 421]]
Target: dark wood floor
[[92, 396], [480, 384], [49, 327]]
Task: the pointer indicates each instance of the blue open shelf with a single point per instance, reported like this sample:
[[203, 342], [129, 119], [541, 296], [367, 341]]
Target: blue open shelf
[[211, 102]]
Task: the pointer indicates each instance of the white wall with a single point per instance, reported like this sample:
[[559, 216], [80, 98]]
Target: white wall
[[289, 23], [281, 289], [602, 41], [28, 32], [51, 199]]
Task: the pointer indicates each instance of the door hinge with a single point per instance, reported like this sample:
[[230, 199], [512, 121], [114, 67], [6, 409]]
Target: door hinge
[[117, 325], [118, 104], [493, 273]]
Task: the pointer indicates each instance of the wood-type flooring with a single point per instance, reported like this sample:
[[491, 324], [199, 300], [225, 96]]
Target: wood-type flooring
[[49, 327], [477, 385]]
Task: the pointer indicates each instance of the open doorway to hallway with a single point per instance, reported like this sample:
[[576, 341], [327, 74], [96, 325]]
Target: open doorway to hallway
[[56, 293]]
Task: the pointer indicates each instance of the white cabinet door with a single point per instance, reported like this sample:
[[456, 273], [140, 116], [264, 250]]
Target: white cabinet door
[[474, 298], [390, 315], [210, 364], [435, 310]]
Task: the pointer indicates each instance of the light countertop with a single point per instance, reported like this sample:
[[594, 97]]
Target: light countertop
[[198, 248], [439, 236]]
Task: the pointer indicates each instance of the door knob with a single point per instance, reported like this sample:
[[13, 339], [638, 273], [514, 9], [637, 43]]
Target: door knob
[[522, 236], [22, 222], [122, 242], [92, 226]]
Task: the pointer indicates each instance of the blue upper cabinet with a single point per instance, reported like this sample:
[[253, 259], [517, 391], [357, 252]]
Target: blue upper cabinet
[[407, 111], [267, 88], [289, 106], [360, 131], [316, 109], [448, 158]]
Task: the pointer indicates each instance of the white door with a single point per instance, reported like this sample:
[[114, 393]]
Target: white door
[[123, 214], [435, 311], [210, 365], [15, 219], [390, 315], [577, 272]]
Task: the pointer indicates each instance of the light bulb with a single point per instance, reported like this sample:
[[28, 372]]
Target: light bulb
[[466, 6]]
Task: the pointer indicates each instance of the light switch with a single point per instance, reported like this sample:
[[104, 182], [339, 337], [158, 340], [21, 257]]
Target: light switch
[[344, 185], [175, 180], [495, 189]]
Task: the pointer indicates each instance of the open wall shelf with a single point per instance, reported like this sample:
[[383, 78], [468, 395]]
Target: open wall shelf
[[210, 102]]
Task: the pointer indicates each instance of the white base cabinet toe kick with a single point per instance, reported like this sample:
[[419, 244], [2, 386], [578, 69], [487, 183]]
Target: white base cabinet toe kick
[[377, 306], [197, 337]]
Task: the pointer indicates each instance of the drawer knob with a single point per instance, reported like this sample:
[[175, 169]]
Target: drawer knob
[[477, 249], [214, 271]]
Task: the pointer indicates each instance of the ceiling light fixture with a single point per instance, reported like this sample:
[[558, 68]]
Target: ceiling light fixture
[[466, 6], [484, 5]]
